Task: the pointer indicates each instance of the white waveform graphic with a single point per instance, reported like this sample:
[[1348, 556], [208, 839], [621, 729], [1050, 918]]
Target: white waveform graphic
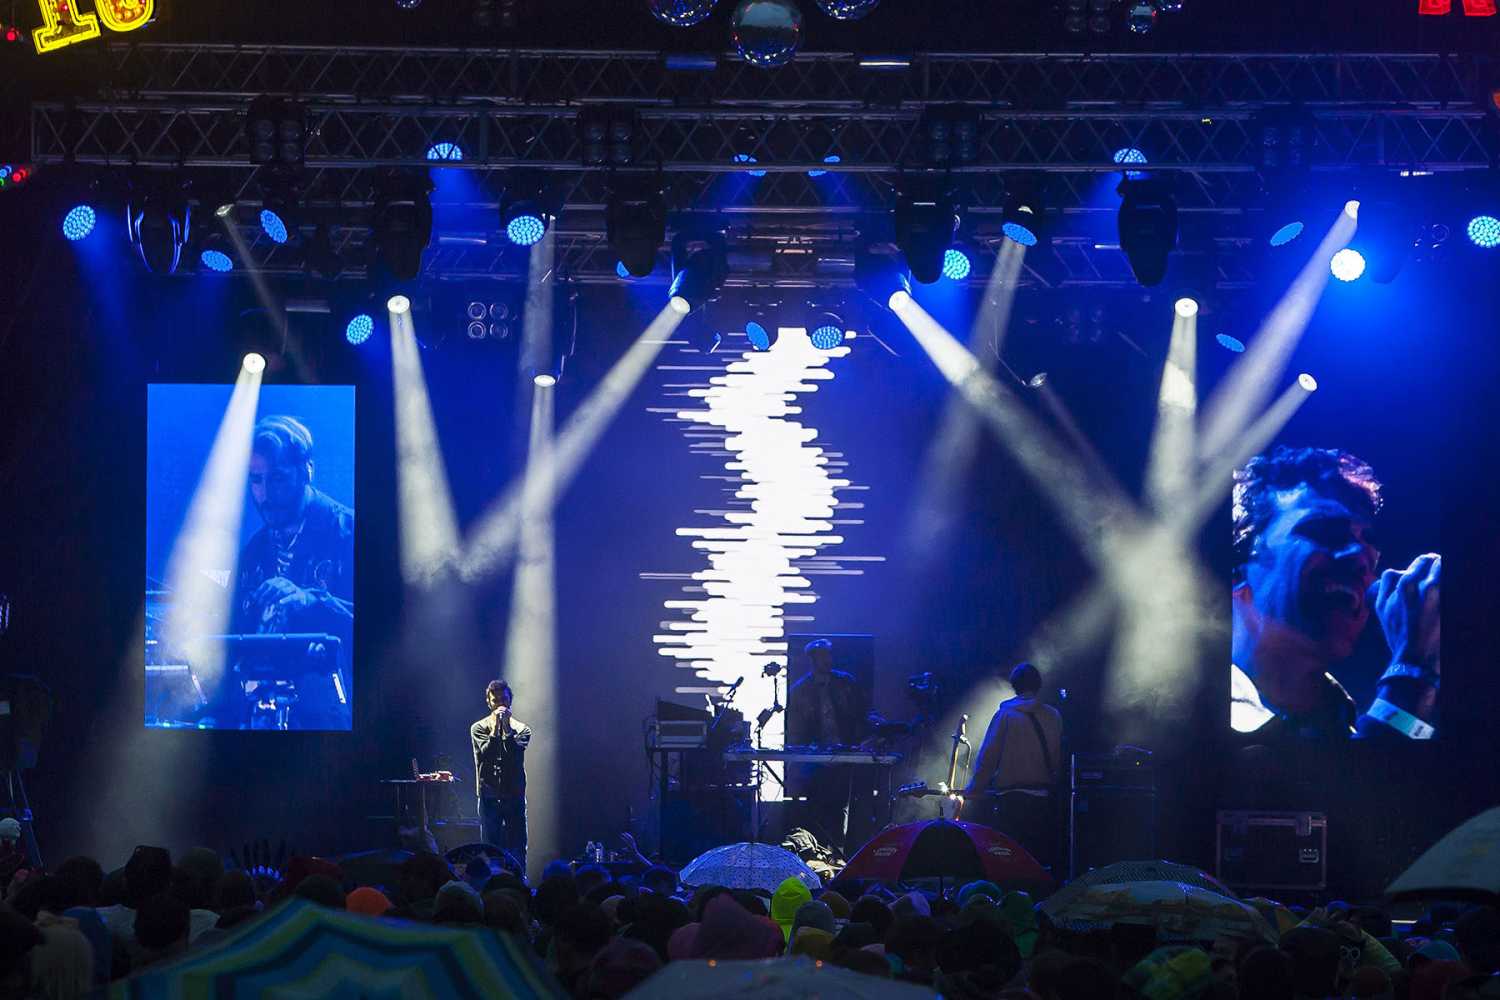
[[766, 541]]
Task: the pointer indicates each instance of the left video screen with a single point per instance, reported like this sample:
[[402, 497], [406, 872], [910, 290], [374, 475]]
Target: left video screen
[[249, 557]]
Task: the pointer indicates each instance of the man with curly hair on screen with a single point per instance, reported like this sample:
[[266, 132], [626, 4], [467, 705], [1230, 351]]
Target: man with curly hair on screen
[[1306, 586]]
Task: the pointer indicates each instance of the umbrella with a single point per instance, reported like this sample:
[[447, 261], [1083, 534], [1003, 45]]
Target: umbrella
[[1464, 864], [748, 866], [941, 848], [1177, 910], [301, 949], [1139, 871], [771, 979]]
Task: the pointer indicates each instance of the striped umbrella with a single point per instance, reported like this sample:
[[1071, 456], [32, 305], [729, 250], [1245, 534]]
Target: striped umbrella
[[301, 949]]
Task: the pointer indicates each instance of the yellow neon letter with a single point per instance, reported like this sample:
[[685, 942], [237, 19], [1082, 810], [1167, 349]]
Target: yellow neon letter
[[124, 15], [63, 25]]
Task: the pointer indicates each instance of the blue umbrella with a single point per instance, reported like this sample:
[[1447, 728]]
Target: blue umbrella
[[748, 866]]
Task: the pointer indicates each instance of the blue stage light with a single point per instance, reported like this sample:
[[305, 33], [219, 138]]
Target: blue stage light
[[622, 271], [526, 230], [831, 158], [79, 222], [826, 337], [757, 335], [1130, 154], [747, 158], [1019, 233], [359, 329], [273, 226], [1286, 234], [1484, 231], [445, 151], [1230, 343], [216, 260], [956, 264], [1347, 264]]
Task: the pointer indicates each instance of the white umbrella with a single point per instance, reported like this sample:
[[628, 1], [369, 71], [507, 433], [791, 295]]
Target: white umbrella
[[1464, 864], [748, 866], [771, 979]]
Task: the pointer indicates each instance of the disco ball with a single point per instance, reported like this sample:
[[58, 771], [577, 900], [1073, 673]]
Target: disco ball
[[681, 13], [1142, 18], [847, 10], [767, 32]]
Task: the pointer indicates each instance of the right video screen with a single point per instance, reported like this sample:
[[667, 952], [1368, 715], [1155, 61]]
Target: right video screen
[[1336, 594]]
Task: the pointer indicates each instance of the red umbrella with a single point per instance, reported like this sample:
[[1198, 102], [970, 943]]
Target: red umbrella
[[941, 848]]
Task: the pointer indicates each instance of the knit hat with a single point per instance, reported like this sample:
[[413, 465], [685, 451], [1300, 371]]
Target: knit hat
[[459, 900], [368, 902], [836, 902], [813, 943], [1172, 973]]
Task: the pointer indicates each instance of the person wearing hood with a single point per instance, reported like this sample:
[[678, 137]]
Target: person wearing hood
[[787, 900], [1018, 762]]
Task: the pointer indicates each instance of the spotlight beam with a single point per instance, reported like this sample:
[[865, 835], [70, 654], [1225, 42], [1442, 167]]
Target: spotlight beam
[[531, 637], [208, 544], [536, 354], [1093, 512], [429, 527], [1249, 385], [951, 453], [492, 542], [1170, 466]]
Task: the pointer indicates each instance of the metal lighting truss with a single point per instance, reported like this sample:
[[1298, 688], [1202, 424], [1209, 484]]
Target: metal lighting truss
[[1199, 117]]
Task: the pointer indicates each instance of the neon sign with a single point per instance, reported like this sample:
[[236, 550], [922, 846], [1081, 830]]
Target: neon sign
[[1472, 8], [64, 24]]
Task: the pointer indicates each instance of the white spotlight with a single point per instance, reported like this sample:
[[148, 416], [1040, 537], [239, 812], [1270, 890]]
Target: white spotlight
[[1038, 380], [1186, 307], [545, 381], [1307, 382], [680, 305], [898, 300], [254, 363], [1351, 208], [398, 304]]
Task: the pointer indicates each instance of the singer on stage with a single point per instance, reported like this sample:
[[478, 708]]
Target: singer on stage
[[500, 743]]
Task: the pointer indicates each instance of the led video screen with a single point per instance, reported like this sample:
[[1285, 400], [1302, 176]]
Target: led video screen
[[249, 601]]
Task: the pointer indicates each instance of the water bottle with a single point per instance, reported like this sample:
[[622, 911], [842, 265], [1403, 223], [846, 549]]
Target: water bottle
[[599, 853]]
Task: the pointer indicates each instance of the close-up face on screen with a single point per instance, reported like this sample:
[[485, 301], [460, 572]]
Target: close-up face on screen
[[1336, 600], [250, 557]]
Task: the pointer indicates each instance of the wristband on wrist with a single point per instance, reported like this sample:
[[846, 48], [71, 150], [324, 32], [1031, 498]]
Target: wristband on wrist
[[1412, 672], [1400, 720]]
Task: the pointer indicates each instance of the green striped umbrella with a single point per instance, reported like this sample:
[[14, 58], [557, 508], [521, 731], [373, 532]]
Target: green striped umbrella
[[301, 949]]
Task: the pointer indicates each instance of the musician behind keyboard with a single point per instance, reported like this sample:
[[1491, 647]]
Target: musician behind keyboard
[[824, 708]]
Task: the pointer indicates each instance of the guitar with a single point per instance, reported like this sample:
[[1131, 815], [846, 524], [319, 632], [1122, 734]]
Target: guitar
[[950, 803]]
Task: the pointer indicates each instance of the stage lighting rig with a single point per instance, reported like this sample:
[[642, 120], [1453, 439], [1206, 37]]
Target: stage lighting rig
[[320, 258], [277, 131], [950, 135], [1023, 218], [606, 136], [882, 277], [1148, 227], [401, 224], [636, 224], [926, 218], [159, 222], [524, 214], [700, 263]]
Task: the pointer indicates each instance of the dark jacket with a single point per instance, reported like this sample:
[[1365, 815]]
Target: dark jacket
[[499, 762], [803, 710], [322, 562]]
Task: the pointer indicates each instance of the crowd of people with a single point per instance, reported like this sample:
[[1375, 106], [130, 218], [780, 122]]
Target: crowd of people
[[74, 927]]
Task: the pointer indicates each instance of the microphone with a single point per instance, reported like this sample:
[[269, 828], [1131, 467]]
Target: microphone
[[732, 687]]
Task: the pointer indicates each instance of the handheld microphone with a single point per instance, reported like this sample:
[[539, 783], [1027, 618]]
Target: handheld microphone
[[734, 685]]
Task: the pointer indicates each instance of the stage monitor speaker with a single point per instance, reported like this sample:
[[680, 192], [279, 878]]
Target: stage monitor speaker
[[1110, 824]]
